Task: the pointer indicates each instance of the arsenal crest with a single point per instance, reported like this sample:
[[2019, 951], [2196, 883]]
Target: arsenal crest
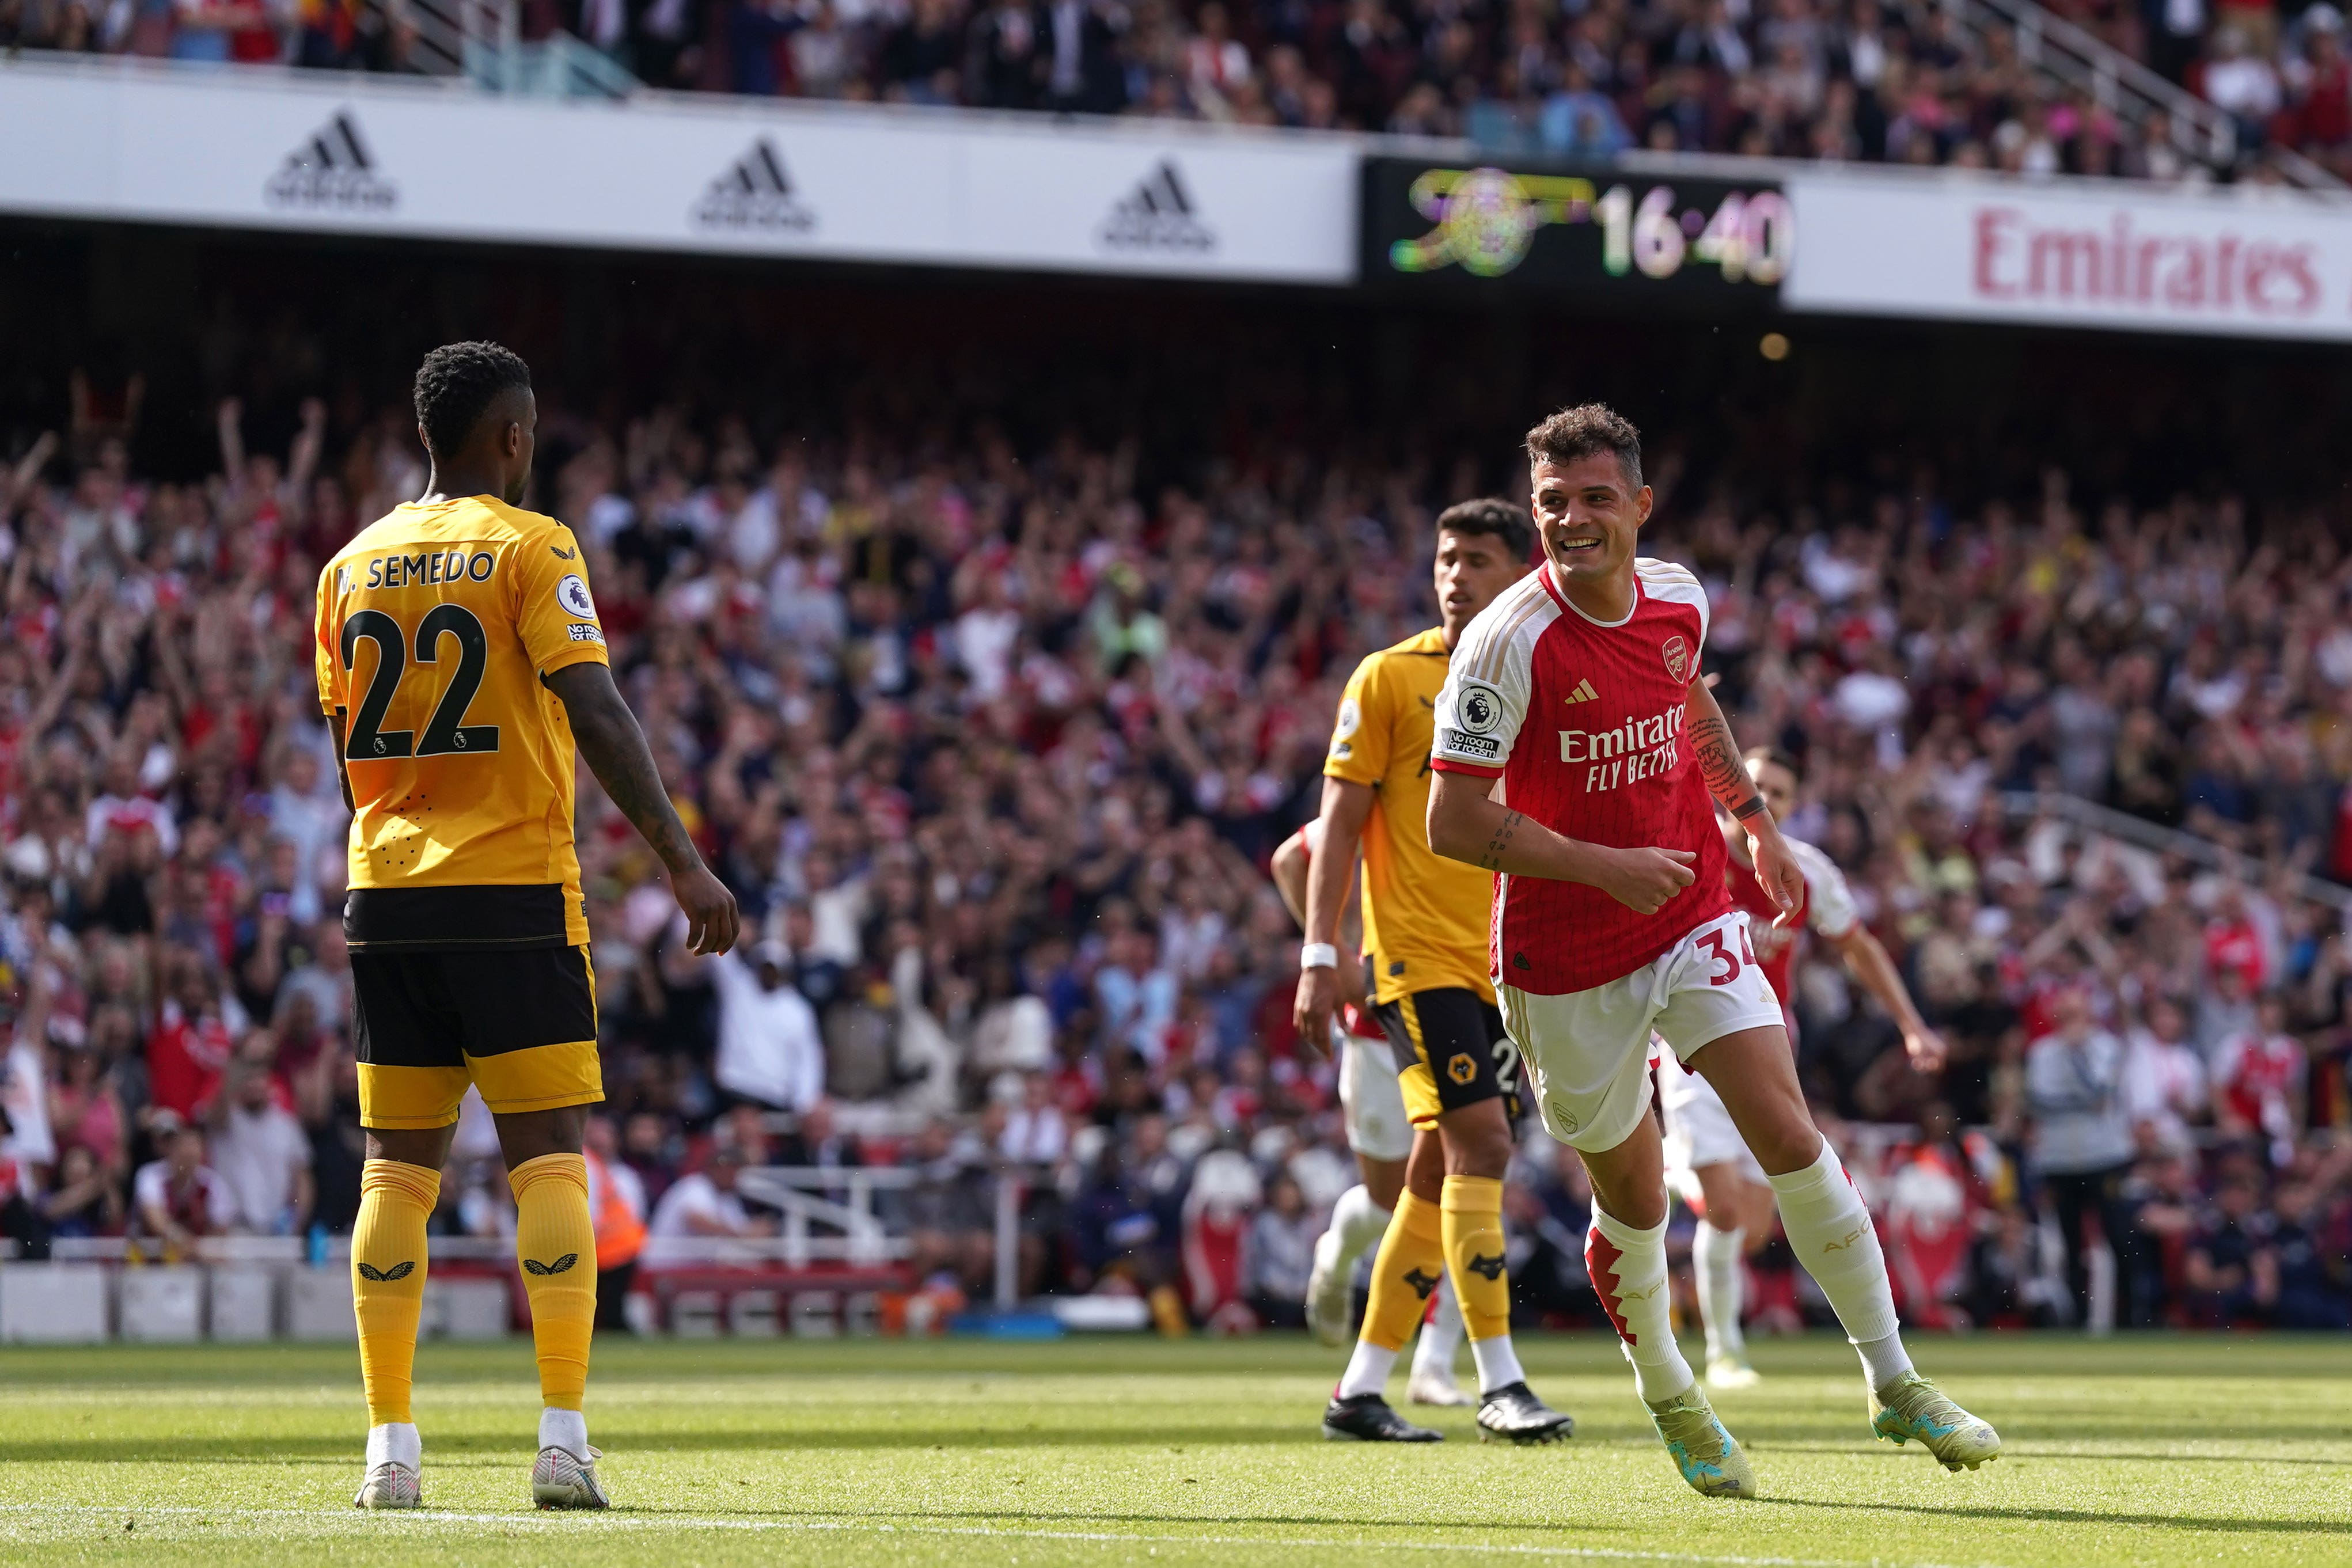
[[1677, 656]]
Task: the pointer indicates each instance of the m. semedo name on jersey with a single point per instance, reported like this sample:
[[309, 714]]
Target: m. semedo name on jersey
[[427, 571]]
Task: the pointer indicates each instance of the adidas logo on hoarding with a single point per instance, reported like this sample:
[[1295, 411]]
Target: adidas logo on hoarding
[[1158, 214], [754, 193], [332, 172]]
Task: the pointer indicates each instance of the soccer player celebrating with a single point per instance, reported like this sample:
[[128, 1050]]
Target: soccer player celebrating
[[459, 654], [1580, 691], [1425, 921], [1379, 1134], [1704, 1158]]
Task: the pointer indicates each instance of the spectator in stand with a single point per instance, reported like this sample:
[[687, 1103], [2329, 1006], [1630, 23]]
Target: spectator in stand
[[2232, 1272], [85, 1201], [2242, 83], [2163, 1082], [260, 1151], [702, 1206], [769, 1052], [2319, 86], [177, 1198], [2258, 1081], [1281, 1253], [2312, 1288], [2082, 1138], [197, 1031]]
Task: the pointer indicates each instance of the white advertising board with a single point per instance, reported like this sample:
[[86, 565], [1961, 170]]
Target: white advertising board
[[664, 172], [2268, 264]]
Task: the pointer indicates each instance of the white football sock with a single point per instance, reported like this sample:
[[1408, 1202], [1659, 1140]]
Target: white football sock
[[1715, 1257], [1830, 1230], [1498, 1364], [396, 1443], [1360, 1223], [1367, 1369], [1441, 1336], [1885, 1360], [565, 1429], [1629, 1272]]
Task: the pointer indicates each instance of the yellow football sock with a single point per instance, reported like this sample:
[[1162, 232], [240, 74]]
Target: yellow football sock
[[556, 1243], [1410, 1263], [1474, 1252], [388, 1278]]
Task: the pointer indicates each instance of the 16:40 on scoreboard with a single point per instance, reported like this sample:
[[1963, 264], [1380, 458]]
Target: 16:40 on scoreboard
[[1523, 231]]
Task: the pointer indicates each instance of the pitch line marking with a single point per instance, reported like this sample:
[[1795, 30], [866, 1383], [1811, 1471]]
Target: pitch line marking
[[700, 1522]]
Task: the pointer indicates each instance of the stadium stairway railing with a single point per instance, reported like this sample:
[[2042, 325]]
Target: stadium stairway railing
[[2139, 845], [482, 41], [2064, 55]]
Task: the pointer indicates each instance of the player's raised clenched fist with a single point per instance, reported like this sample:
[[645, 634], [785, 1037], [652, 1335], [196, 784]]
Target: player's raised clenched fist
[[709, 909], [1643, 880]]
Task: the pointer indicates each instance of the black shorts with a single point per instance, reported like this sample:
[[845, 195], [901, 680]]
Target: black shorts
[[1450, 1051], [521, 1025]]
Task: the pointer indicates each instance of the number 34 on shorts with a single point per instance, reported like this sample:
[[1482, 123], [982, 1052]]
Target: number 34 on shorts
[[1588, 1051]]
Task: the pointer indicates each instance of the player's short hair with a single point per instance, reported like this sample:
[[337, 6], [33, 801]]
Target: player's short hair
[[1777, 757], [1495, 518], [1583, 431], [455, 386]]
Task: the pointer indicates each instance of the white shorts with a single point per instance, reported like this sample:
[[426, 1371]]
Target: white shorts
[[1699, 1131], [1587, 1052], [1370, 1099]]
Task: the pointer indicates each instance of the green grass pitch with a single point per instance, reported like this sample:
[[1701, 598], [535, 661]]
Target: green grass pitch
[[969, 1453]]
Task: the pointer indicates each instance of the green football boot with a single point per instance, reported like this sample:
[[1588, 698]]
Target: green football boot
[[1707, 1456], [1912, 1407]]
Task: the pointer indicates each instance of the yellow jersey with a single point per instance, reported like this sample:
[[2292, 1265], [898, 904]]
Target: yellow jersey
[[1425, 916], [435, 625]]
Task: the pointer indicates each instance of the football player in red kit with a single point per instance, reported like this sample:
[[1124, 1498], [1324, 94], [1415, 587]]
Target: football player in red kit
[[1577, 691]]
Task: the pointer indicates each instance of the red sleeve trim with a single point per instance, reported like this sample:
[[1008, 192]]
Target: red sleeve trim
[[1447, 765]]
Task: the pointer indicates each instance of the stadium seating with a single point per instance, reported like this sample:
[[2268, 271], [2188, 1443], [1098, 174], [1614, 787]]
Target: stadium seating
[[2083, 87]]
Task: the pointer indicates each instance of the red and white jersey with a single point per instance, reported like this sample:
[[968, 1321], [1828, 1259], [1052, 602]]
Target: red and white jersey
[[1584, 722], [1829, 908]]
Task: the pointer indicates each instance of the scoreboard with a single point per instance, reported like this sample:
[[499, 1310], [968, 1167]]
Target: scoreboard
[[1711, 244]]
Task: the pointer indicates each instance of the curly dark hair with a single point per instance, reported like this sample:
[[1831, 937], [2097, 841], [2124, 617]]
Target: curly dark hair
[[1585, 430], [1776, 756], [1495, 518], [455, 386]]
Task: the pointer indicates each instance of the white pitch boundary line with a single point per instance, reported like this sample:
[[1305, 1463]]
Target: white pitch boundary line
[[699, 1522]]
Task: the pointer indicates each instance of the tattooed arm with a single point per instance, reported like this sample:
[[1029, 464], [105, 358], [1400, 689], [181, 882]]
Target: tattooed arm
[[1712, 747], [608, 737], [1718, 758], [1466, 825]]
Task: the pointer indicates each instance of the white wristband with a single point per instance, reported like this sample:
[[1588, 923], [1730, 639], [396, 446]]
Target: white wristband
[[1318, 956]]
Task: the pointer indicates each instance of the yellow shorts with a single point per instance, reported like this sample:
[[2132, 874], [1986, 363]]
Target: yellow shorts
[[1450, 1051], [519, 1025]]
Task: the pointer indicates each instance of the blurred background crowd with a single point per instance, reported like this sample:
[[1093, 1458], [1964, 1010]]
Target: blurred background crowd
[[992, 725], [1875, 80]]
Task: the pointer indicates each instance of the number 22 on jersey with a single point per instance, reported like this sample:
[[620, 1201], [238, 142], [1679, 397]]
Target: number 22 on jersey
[[446, 731]]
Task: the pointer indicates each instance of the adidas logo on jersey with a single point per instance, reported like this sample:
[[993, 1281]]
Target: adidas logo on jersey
[[332, 172], [755, 194], [1158, 214], [1582, 693]]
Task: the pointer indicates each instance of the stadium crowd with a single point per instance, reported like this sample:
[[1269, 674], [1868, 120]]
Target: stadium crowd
[[993, 743], [1842, 79]]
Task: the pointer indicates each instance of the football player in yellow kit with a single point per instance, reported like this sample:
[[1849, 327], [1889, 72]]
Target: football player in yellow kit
[[461, 661]]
